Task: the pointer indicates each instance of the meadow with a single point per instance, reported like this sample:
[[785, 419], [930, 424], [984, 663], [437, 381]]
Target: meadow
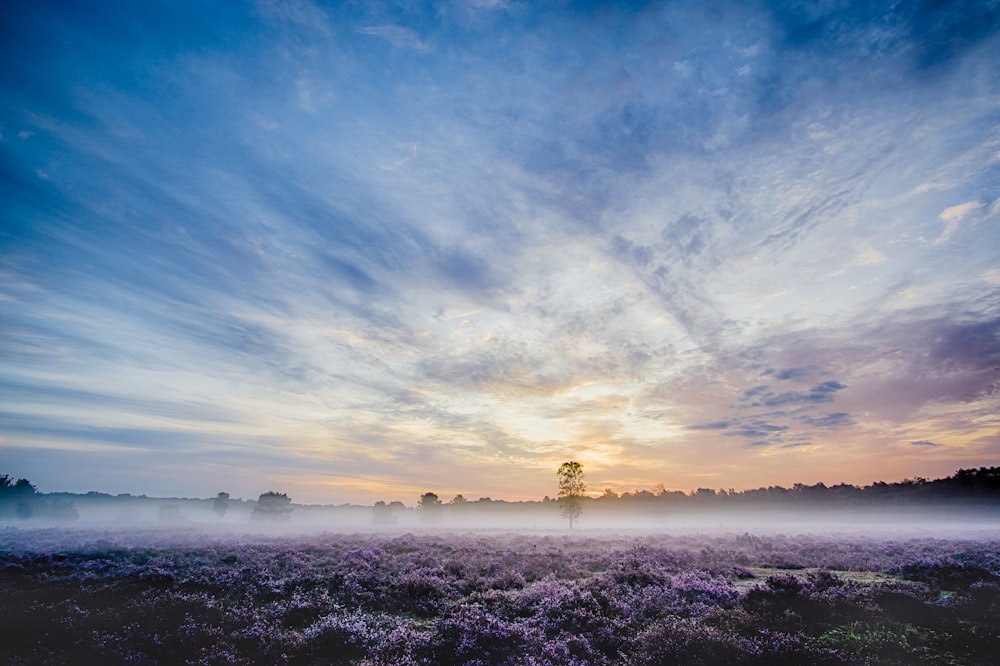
[[170, 596]]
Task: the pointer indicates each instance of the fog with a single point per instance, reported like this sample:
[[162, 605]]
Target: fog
[[966, 504], [202, 517]]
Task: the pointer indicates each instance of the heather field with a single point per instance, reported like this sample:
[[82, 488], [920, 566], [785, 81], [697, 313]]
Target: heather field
[[554, 598]]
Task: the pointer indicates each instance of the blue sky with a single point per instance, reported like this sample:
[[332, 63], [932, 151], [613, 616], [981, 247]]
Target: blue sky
[[359, 251]]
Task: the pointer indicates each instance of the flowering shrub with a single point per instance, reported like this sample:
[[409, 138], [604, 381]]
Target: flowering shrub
[[165, 597]]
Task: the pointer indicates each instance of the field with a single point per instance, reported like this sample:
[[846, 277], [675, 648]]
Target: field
[[192, 597]]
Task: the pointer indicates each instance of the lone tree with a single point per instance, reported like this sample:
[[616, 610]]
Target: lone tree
[[571, 490]]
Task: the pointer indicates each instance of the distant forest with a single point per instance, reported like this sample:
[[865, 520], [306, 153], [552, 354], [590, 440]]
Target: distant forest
[[975, 486], [966, 488]]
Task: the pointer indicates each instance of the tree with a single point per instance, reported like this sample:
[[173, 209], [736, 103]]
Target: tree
[[25, 497], [25, 488], [382, 513], [571, 490], [272, 506], [221, 504], [430, 508]]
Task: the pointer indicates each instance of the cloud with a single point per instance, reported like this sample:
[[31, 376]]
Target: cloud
[[953, 216], [399, 36], [832, 420], [627, 251], [763, 396], [960, 211], [714, 425], [411, 154], [925, 442], [301, 13], [870, 257], [755, 428], [177, 442], [972, 345], [499, 366], [190, 410], [794, 374]]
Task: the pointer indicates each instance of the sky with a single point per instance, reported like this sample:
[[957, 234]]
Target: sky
[[360, 251]]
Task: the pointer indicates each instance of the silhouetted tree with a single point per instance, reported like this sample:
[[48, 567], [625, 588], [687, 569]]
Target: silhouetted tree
[[459, 499], [221, 505], [23, 499], [382, 513], [272, 506], [430, 508], [704, 496], [25, 488], [571, 490], [23, 495]]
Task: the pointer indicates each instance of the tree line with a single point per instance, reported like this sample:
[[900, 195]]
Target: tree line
[[970, 487], [966, 486]]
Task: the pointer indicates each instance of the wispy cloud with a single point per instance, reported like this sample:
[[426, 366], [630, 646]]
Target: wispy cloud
[[952, 217], [399, 36]]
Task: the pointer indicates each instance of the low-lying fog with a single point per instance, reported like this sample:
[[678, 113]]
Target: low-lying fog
[[198, 516]]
